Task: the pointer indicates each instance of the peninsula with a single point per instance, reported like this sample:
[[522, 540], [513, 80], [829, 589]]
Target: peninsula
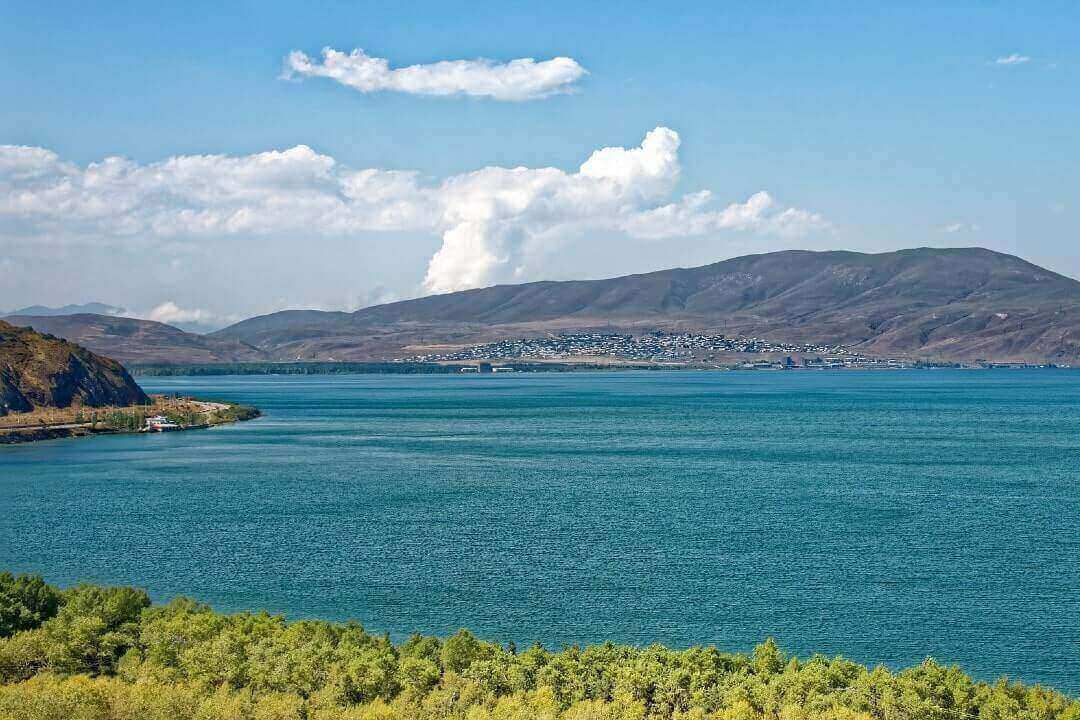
[[52, 388]]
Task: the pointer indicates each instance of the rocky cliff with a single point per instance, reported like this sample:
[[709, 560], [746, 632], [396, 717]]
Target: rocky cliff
[[38, 370]]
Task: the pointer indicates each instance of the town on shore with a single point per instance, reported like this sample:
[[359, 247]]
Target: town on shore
[[691, 349]]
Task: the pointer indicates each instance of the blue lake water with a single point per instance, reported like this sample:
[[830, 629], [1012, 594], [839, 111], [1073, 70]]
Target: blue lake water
[[882, 516]]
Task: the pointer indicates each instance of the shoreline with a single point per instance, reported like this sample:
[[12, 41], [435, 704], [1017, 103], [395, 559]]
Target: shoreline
[[318, 367], [183, 414]]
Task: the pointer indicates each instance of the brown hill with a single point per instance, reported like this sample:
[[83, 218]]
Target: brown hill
[[38, 370], [961, 303], [949, 304], [132, 341]]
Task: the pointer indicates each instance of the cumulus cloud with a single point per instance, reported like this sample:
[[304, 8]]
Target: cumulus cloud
[[516, 80], [494, 221], [692, 215], [496, 224], [198, 195], [169, 312], [1014, 59], [187, 318]]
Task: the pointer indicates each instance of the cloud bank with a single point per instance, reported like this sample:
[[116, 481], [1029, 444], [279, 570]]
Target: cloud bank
[[496, 224], [516, 80]]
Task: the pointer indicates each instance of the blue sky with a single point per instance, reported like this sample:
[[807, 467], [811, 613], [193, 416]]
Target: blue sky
[[895, 125]]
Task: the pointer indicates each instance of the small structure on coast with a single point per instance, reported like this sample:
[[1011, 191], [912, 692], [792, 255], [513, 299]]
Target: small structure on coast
[[160, 423]]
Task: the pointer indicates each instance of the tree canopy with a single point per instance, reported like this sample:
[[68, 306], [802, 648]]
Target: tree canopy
[[100, 653]]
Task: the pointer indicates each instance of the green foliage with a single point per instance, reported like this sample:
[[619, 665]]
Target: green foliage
[[297, 368], [106, 654], [22, 656], [234, 413], [94, 627], [347, 368], [25, 602], [130, 419], [461, 650]]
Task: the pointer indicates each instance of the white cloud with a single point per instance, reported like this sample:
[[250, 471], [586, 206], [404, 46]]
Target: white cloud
[[198, 319], [203, 195], [1014, 59], [959, 227], [516, 80], [691, 216], [170, 312], [496, 224]]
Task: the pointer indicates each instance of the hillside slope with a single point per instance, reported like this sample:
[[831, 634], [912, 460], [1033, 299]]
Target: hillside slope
[[962, 303], [132, 341], [38, 370]]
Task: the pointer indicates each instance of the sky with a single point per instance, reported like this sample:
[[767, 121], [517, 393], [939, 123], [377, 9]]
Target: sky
[[207, 162]]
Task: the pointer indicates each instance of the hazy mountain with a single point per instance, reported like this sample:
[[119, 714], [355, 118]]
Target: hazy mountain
[[42, 311], [133, 341], [96, 308], [38, 370], [963, 303]]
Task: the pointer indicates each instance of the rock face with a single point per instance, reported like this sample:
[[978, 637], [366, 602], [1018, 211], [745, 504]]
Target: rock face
[[39, 370]]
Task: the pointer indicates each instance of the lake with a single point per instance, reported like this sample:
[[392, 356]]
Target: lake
[[885, 516]]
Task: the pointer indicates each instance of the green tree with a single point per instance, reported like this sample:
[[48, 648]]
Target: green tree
[[183, 661], [768, 659], [93, 628], [26, 601], [417, 675], [460, 650]]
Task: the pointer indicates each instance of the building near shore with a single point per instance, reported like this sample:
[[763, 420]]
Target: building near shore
[[160, 423]]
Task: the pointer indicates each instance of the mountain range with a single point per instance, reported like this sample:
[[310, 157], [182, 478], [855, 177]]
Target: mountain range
[[93, 308], [952, 304], [133, 341]]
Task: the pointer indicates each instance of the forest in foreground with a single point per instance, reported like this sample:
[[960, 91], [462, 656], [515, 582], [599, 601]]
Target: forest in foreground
[[106, 653]]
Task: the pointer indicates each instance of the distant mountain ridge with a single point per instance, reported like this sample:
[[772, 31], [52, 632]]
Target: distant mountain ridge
[[132, 341], [961, 303], [94, 308], [198, 327], [37, 370], [949, 304]]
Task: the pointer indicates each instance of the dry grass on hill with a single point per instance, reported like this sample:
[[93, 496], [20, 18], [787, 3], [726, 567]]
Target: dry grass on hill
[[160, 405]]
